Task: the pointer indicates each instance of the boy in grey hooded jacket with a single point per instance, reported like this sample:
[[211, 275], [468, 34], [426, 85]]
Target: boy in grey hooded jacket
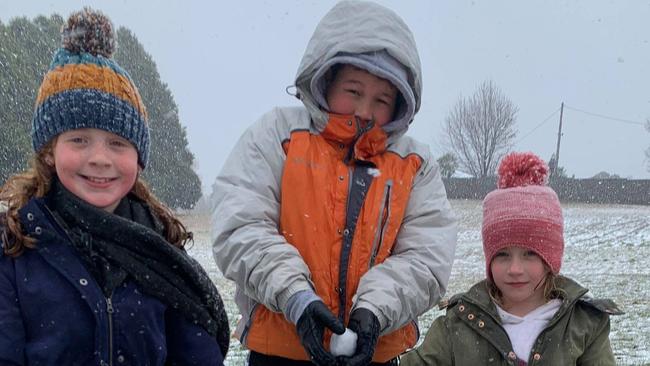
[[328, 216]]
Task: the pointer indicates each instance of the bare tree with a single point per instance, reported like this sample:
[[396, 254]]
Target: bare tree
[[480, 129]]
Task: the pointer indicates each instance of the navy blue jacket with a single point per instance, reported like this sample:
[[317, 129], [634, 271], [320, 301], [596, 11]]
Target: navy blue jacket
[[52, 312]]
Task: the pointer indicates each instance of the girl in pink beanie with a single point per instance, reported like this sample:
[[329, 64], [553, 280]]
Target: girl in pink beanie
[[524, 312]]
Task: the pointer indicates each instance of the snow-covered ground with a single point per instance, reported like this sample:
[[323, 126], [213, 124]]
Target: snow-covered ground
[[607, 250]]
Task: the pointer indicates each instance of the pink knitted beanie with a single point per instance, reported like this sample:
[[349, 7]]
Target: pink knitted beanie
[[523, 212]]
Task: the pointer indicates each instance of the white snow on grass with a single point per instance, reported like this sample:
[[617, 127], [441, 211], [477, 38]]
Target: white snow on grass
[[607, 250]]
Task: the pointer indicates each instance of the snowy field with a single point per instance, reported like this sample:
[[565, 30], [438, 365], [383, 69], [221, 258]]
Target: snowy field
[[607, 250]]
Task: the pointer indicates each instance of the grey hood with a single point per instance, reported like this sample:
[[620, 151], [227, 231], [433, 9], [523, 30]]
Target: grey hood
[[354, 27]]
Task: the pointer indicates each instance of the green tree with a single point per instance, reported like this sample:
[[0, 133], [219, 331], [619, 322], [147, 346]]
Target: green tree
[[560, 172], [170, 171], [448, 164], [26, 49]]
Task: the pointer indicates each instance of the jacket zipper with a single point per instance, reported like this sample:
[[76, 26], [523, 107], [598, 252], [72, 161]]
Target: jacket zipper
[[109, 302], [349, 156], [384, 216], [346, 233], [109, 311]]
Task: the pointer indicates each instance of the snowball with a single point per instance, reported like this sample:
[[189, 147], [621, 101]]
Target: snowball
[[344, 344]]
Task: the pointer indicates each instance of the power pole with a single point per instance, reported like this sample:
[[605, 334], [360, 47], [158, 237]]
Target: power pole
[[559, 137]]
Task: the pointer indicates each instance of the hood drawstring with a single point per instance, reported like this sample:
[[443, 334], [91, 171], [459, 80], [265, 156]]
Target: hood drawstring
[[293, 91], [360, 131]]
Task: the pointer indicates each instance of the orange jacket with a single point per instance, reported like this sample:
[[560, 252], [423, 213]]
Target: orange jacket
[[344, 221]]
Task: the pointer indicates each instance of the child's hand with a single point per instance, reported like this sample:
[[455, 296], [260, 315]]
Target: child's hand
[[311, 327], [366, 325]]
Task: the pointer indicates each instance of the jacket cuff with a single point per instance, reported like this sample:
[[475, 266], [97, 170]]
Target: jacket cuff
[[283, 297], [297, 304], [383, 320]]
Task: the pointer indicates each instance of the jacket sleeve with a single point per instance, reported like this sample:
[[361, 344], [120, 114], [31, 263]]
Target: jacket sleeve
[[12, 330], [247, 245], [189, 344], [598, 351], [415, 276], [436, 350]]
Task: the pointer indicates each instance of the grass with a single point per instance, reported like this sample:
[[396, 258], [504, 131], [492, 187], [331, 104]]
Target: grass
[[607, 250]]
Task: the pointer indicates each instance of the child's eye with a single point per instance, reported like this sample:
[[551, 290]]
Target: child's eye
[[383, 101], [353, 92], [119, 143], [501, 254], [530, 253], [77, 140]]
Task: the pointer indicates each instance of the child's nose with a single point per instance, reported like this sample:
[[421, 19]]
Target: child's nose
[[364, 112], [99, 155], [515, 266]]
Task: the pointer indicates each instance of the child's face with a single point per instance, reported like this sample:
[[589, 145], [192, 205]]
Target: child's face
[[519, 273], [97, 166], [360, 93]]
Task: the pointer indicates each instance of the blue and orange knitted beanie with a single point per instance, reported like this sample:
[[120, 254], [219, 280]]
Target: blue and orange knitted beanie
[[85, 88]]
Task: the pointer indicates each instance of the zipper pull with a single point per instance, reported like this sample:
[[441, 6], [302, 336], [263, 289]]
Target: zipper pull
[[360, 131], [109, 305]]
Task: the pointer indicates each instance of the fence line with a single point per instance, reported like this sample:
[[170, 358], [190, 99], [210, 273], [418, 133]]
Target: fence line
[[608, 191]]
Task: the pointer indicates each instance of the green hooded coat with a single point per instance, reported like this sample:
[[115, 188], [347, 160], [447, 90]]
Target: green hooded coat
[[471, 334]]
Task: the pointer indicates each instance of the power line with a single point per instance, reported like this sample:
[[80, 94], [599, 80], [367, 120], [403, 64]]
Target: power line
[[539, 125], [606, 117]]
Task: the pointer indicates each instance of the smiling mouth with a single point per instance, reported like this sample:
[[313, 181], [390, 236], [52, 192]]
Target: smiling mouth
[[517, 284], [98, 180]]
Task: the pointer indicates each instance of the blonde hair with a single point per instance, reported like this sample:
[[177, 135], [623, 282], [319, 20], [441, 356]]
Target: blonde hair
[[552, 289], [35, 182]]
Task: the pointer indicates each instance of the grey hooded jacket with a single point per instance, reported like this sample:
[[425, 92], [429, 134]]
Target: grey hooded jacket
[[247, 245]]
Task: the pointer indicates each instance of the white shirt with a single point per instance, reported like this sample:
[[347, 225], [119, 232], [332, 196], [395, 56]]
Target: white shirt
[[523, 331]]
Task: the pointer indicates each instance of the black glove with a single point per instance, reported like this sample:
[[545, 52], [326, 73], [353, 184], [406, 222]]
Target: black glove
[[366, 325], [311, 327]]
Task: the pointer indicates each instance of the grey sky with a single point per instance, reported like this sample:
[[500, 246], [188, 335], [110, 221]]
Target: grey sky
[[228, 62]]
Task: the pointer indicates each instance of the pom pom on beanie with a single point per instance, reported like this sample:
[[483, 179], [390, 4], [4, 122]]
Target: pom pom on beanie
[[521, 170], [88, 31]]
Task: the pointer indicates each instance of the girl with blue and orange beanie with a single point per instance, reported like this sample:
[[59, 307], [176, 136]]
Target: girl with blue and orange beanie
[[93, 268]]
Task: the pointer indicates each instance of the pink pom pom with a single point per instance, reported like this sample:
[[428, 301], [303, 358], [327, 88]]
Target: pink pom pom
[[522, 169]]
